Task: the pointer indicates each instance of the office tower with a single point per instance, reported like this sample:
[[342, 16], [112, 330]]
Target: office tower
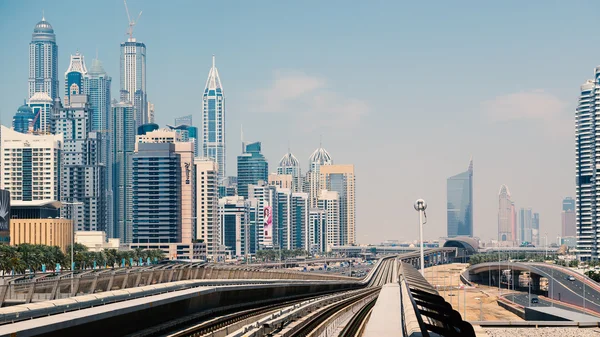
[[41, 105], [207, 205], [213, 121], [505, 215], [185, 153], [514, 223], [281, 180], [313, 177], [30, 165], [133, 78], [291, 166], [525, 226], [329, 203], [317, 229], [157, 182], [234, 220], [568, 219], [460, 203], [252, 167], [535, 229], [74, 77], [265, 197], [82, 171], [300, 218], [96, 84], [341, 179], [586, 188], [122, 126], [184, 120], [187, 133], [23, 119], [43, 61]]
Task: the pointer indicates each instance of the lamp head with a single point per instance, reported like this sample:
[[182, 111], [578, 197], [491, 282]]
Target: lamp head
[[420, 205]]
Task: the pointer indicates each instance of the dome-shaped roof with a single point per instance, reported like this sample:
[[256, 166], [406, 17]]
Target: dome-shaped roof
[[43, 27], [321, 156], [289, 160], [24, 109]]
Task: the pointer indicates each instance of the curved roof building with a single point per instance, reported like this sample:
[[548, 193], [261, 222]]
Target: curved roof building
[[43, 60]]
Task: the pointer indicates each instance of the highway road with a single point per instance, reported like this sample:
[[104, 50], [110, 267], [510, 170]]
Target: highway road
[[523, 299], [571, 292]]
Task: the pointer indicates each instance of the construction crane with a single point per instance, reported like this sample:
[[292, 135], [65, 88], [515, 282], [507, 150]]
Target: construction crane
[[131, 22]]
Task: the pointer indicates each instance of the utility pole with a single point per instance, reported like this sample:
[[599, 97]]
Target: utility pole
[[421, 206]]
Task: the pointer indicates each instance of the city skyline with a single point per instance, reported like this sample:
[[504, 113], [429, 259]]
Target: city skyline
[[421, 175]]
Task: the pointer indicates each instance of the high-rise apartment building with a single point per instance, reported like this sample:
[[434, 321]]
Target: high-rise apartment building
[[505, 215], [122, 128], [291, 218], [30, 165], [329, 203], [74, 77], [83, 171], [43, 61], [252, 167], [317, 229], [535, 229], [213, 121], [133, 78], [96, 84], [235, 220], [281, 180], [586, 188], [207, 205], [157, 182], [312, 184], [41, 104], [569, 226], [289, 165], [460, 203], [265, 197], [341, 179]]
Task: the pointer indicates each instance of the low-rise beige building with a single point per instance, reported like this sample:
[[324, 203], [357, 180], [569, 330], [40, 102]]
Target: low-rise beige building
[[50, 232], [96, 241]]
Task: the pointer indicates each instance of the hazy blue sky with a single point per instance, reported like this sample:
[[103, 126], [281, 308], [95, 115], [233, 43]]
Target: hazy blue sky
[[406, 91]]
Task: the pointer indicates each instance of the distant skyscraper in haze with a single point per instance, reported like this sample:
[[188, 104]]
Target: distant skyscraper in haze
[[341, 179], [535, 229], [460, 203], [43, 61], [185, 120], [213, 121], [525, 226], [252, 167], [317, 159], [587, 157], [569, 227], [289, 165], [74, 77], [133, 78], [505, 215]]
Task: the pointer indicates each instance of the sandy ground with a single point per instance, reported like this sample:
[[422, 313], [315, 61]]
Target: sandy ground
[[446, 277]]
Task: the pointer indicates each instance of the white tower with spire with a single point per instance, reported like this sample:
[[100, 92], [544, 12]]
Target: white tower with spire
[[43, 60], [213, 121]]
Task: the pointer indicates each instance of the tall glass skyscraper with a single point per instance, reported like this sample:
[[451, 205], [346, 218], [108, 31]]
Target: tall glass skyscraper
[[43, 61], [96, 84], [213, 121], [587, 157], [505, 215], [291, 166], [569, 227], [133, 78], [317, 159], [252, 166], [460, 203], [74, 77]]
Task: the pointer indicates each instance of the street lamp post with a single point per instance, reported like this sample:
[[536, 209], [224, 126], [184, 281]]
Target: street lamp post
[[421, 206], [72, 241]]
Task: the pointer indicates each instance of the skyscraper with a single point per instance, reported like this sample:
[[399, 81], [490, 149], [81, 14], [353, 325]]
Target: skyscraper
[[265, 198], [83, 171], [207, 205], [234, 219], [96, 84], [74, 77], [586, 188], [569, 227], [252, 166], [525, 226], [329, 203], [535, 229], [41, 104], [505, 215], [289, 165], [133, 78], [122, 126], [30, 165], [460, 203], [213, 121], [43, 61], [317, 228], [341, 179], [188, 134], [317, 159], [23, 119]]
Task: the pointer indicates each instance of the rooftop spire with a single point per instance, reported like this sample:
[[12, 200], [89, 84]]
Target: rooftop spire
[[43, 16], [213, 81], [213, 59]]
